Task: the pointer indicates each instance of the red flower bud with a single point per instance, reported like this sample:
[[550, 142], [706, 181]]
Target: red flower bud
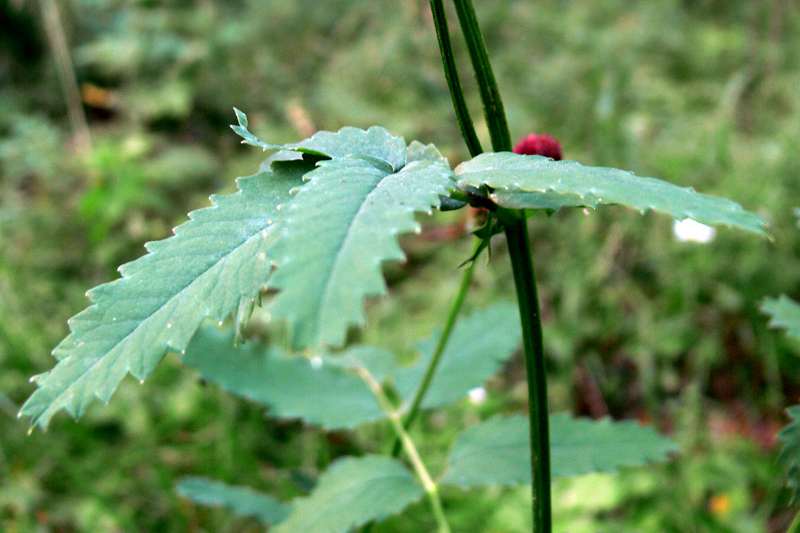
[[539, 145]]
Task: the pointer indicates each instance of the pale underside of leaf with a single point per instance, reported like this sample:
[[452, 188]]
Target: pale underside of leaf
[[242, 501], [497, 452], [478, 345], [320, 390], [536, 182], [351, 493], [212, 263], [785, 313], [342, 225]]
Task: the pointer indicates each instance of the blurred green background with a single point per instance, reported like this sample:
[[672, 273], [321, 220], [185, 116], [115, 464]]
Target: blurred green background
[[703, 93]]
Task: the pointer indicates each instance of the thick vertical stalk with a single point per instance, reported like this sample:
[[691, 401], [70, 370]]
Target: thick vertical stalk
[[453, 81], [487, 85], [522, 265], [521, 261]]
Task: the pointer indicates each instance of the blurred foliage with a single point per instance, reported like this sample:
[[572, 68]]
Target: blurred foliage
[[638, 325]]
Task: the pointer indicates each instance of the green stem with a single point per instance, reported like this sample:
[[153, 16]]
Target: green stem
[[395, 417], [453, 81], [487, 85], [795, 526], [433, 364], [522, 265]]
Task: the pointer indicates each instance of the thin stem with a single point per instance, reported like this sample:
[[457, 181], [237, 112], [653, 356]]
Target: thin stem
[[490, 94], [453, 81], [433, 364], [66, 74], [395, 417], [795, 526], [516, 231]]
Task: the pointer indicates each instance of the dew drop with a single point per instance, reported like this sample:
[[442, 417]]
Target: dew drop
[[141, 382], [316, 362], [31, 380], [417, 230], [278, 208], [220, 323], [169, 326], [114, 319]]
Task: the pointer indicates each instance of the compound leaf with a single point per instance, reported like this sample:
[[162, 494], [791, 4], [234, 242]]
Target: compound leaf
[[477, 347], [319, 390], [214, 262], [785, 313], [497, 452], [536, 182], [242, 501], [351, 493], [341, 226]]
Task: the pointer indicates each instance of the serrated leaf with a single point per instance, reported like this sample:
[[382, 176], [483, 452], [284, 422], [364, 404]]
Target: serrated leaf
[[375, 142], [785, 313], [242, 501], [351, 493], [319, 390], [497, 452], [477, 347], [336, 233], [790, 454], [535, 182], [213, 261]]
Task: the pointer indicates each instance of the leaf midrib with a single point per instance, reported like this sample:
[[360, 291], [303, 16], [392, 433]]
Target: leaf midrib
[[327, 286]]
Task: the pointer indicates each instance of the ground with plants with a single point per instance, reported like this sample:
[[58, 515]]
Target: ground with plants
[[638, 325]]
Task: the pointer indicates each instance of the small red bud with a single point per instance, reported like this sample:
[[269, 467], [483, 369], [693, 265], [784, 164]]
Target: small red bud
[[539, 145]]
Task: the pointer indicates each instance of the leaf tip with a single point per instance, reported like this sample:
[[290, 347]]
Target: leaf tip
[[241, 117]]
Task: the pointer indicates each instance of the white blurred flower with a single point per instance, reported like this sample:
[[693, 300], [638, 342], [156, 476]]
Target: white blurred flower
[[477, 396], [690, 230]]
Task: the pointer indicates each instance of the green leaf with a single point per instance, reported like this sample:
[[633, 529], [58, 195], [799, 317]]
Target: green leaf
[[351, 493], [477, 347], [336, 233], [790, 455], [497, 452], [242, 501], [319, 390], [785, 314], [213, 262], [374, 142], [536, 182]]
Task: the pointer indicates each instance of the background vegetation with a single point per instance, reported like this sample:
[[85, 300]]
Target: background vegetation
[[637, 324]]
